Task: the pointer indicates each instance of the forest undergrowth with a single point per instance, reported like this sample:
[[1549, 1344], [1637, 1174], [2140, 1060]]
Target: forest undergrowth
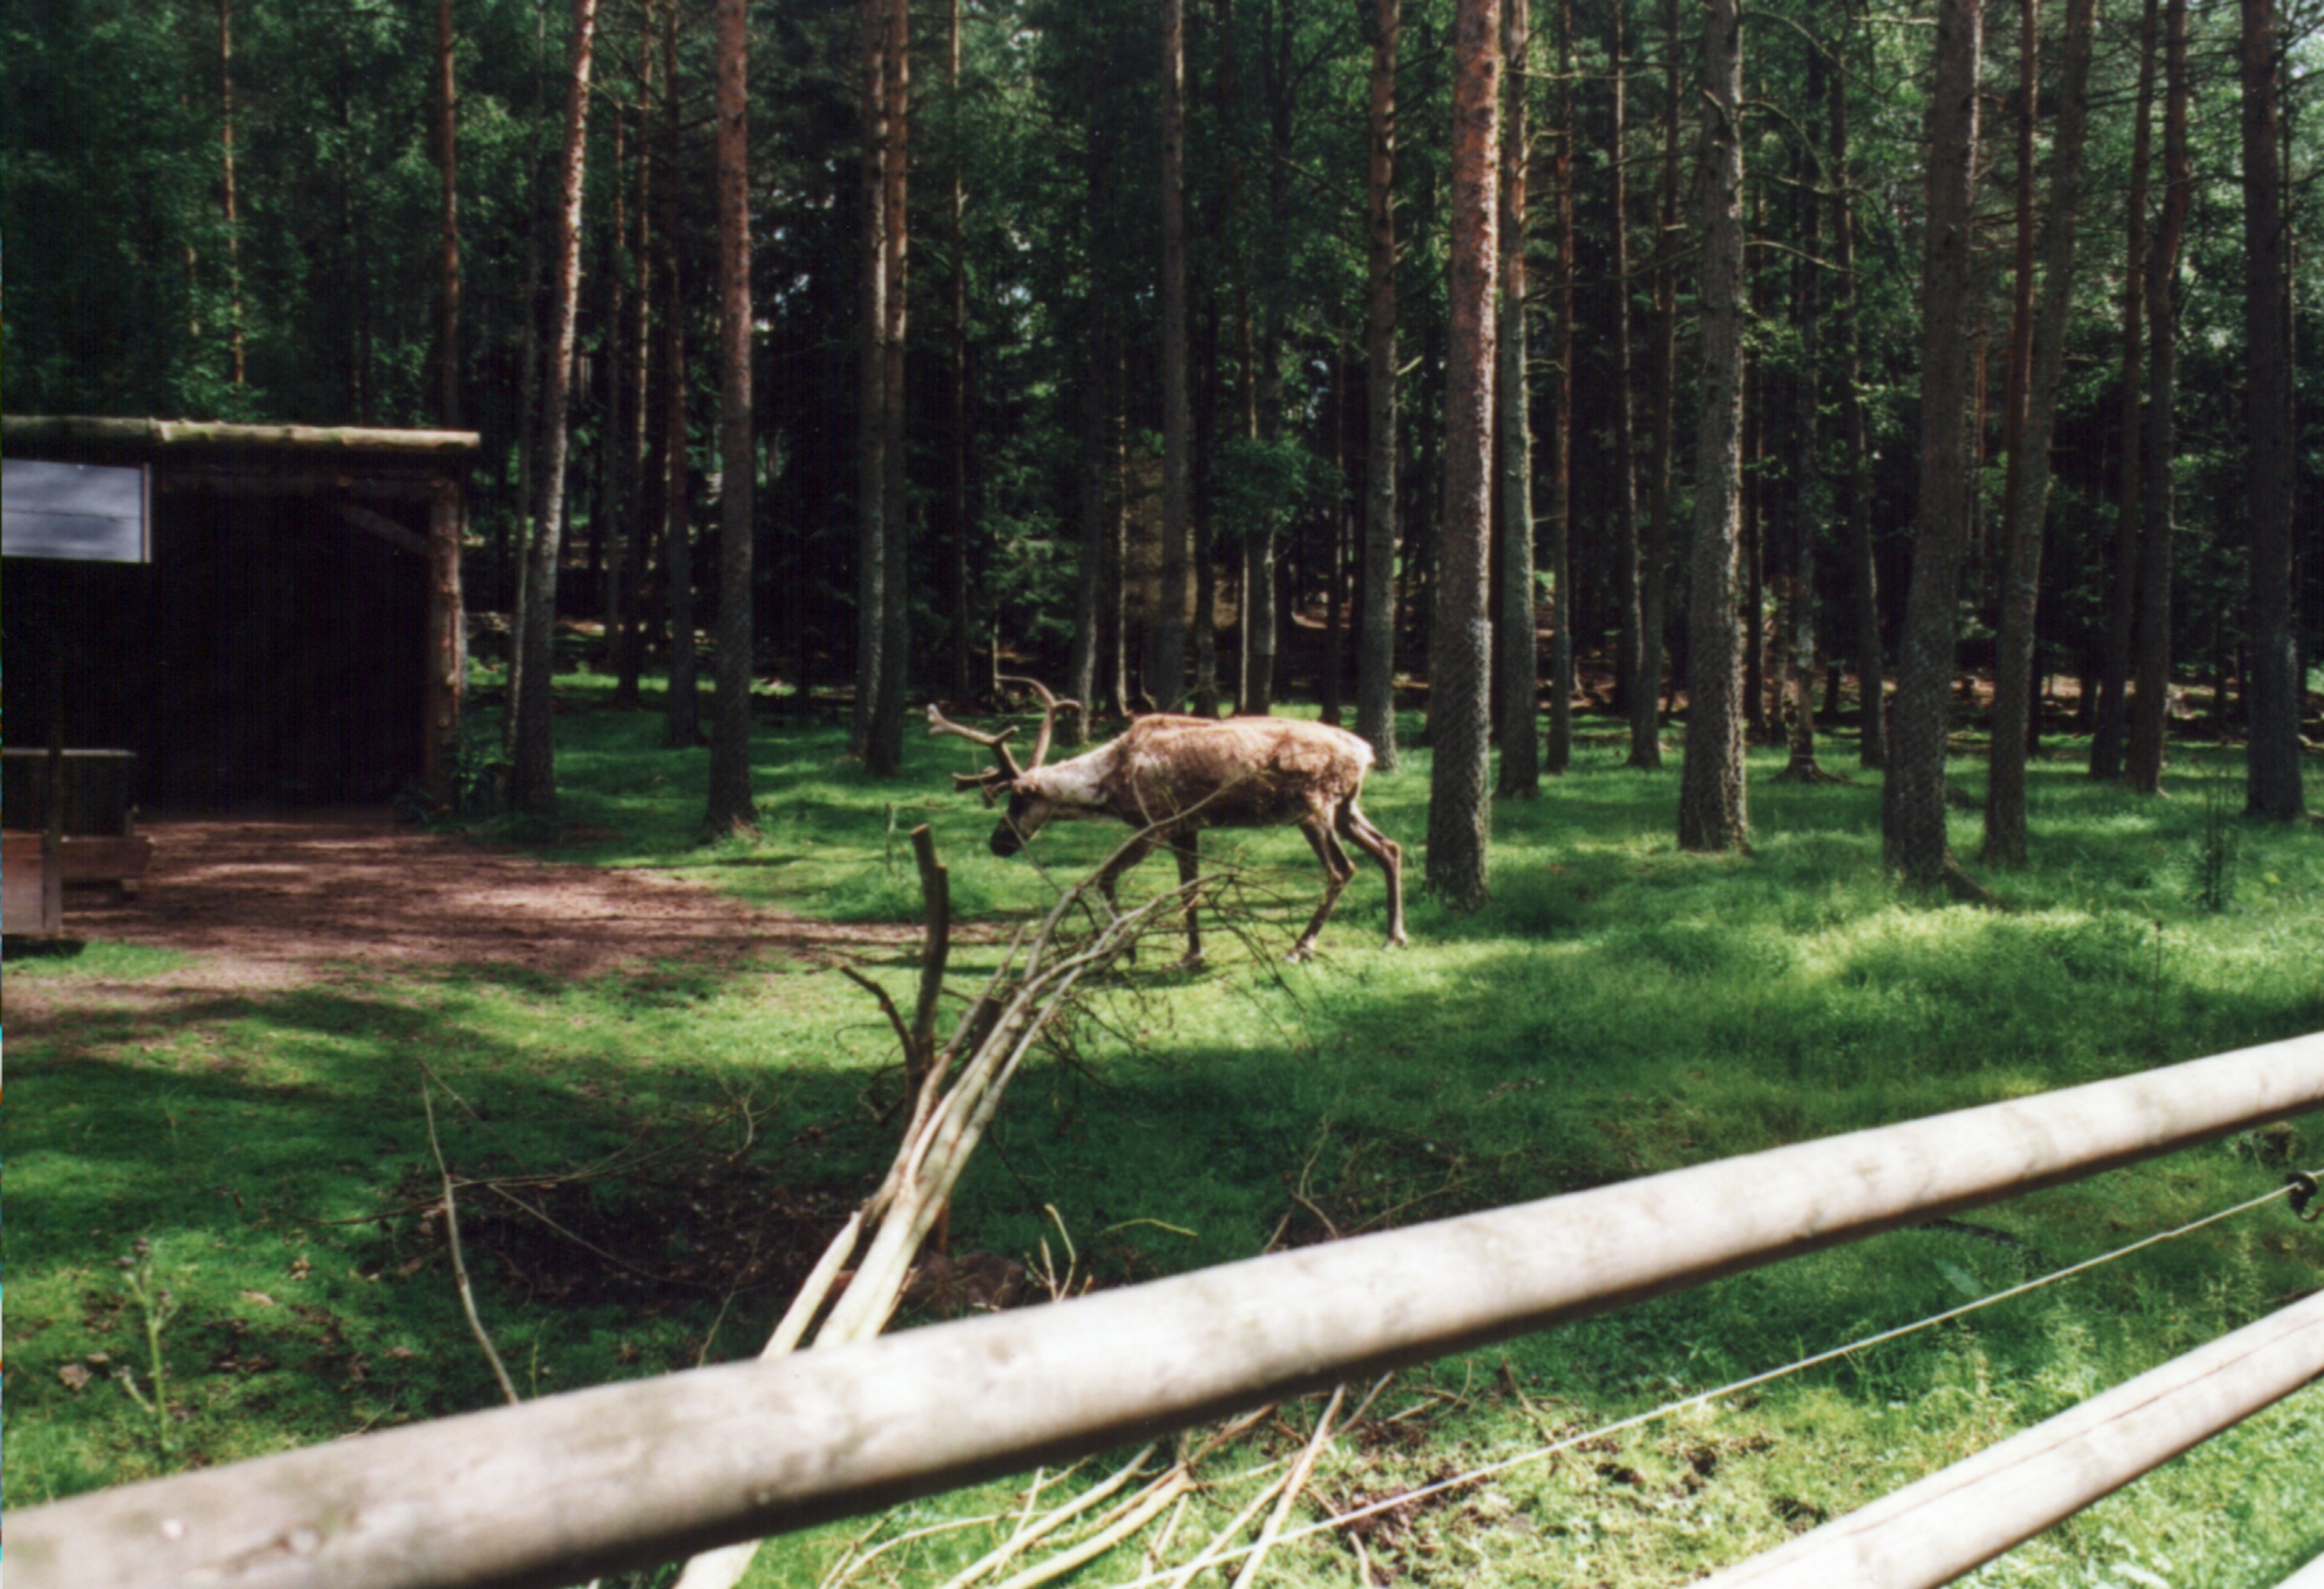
[[651, 1159]]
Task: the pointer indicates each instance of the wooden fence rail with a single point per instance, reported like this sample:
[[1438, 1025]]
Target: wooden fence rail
[[1955, 1519], [623, 1476], [2310, 1577]]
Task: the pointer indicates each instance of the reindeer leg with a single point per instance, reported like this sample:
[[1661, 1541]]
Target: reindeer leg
[[1187, 847], [1136, 851], [1386, 851], [1337, 870]]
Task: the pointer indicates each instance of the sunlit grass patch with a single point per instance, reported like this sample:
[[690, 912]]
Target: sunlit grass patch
[[94, 960]]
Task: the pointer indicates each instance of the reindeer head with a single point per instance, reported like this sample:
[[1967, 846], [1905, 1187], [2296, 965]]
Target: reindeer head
[[1028, 810]]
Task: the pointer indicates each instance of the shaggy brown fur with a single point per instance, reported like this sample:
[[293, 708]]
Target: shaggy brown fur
[[1172, 777]]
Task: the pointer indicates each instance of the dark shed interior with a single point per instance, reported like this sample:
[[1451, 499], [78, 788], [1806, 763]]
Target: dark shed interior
[[274, 651]]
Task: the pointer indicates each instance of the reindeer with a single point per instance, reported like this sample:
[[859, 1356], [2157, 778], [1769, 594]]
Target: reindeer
[[1170, 777]]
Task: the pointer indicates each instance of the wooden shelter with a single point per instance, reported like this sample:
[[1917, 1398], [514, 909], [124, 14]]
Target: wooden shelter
[[298, 634]]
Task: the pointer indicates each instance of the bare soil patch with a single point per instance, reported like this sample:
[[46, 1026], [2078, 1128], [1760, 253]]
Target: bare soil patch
[[271, 902]]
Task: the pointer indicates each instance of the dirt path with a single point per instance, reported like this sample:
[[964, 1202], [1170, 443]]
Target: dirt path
[[276, 901]]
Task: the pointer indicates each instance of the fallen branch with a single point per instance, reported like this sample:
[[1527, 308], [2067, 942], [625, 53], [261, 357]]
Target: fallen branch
[[460, 1266]]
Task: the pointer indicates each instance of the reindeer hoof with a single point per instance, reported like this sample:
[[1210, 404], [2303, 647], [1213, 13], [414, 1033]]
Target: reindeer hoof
[[1300, 955], [1193, 961], [1397, 940]]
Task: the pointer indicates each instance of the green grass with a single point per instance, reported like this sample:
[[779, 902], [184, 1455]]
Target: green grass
[[100, 962], [1619, 1008]]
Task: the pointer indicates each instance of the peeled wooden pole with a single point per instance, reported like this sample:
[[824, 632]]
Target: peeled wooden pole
[[623, 1476], [1933, 1532], [2310, 1577]]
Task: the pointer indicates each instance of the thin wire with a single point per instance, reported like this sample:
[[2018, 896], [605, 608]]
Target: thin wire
[[1390, 1503]]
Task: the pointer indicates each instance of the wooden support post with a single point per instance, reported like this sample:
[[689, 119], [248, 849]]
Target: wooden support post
[[1933, 1532], [447, 647], [52, 832]]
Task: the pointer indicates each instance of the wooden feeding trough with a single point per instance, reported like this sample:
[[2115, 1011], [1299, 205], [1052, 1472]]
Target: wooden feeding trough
[[291, 632]]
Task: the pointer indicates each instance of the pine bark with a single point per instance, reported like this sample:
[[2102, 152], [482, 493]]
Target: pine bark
[[448, 163], [1912, 801], [1262, 552], [233, 213], [2273, 781], [1653, 554], [1713, 814], [605, 521], [2151, 708], [682, 712], [728, 808], [627, 634], [872, 379], [956, 524], [1090, 591], [1626, 449], [1559, 754], [1855, 481], [1375, 639], [2029, 486], [1460, 652], [2111, 724], [1166, 652], [1517, 662], [533, 780], [1806, 503], [2019, 376], [883, 754]]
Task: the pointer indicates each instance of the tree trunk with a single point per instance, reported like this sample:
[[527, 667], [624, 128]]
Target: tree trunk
[[1332, 674], [1626, 650], [629, 649], [1755, 529], [1376, 641], [682, 717], [883, 755], [1855, 482], [2272, 783], [1912, 802], [1460, 651], [1517, 662], [1088, 575], [2112, 724], [1166, 651], [1654, 571], [528, 423], [225, 150], [2015, 685], [605, 521], [681, 722], [2151, 711], [728, 808], [957, 379], [2020, 371], [532, 783], [1807, 481], [1264, 624], [447, 303], [872, 382], [1560, 549], [1113, 598], [1713, 813], [1090, 591]]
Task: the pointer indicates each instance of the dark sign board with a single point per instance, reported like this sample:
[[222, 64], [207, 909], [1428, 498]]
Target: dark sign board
[[80, 513]]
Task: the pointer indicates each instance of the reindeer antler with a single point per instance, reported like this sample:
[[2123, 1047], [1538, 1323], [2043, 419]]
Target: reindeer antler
[[1050, 706], [988, 781]]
